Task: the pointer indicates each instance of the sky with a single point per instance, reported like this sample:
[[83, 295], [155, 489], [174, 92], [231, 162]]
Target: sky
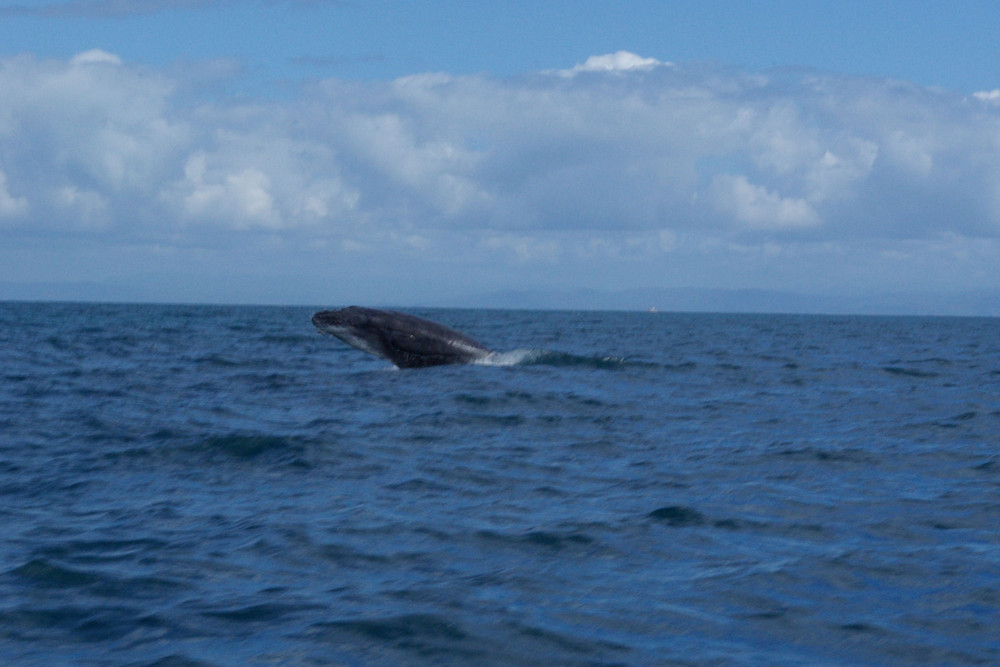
[[440, 153]]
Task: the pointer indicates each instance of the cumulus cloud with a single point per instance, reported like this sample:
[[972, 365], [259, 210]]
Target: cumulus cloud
[[620, 61], [95, 57], [619, 155], [759, 207], [243, 196], [10, 206]]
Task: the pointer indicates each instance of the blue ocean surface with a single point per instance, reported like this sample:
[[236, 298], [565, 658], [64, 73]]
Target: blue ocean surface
[[198, 485]]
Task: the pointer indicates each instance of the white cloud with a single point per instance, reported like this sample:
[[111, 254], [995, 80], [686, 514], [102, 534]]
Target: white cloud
[[634, 161], [95, 57], [241, 197], [526, 248], [90, 136], [636, 146], [759, 207], [89, 209], [620, 61], [10, 206]]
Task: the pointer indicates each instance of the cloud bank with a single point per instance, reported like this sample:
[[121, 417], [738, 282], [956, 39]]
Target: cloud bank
[[661, 173]]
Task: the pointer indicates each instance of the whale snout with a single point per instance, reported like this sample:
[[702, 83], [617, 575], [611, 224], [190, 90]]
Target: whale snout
[[333, 318], [328, 322], [352, 316]]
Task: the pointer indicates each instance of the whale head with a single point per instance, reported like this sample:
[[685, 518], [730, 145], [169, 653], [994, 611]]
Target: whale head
[[351, 325]]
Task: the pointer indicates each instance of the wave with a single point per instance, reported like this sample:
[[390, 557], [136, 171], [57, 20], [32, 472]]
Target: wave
[[537, 357]]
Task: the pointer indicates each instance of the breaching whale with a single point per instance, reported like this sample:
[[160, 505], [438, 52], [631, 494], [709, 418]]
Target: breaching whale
[[405, 340]]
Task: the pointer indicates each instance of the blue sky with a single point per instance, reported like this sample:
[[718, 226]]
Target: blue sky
[[416, 153]]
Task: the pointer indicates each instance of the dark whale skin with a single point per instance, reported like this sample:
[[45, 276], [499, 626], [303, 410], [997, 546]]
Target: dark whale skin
[[406, 340]]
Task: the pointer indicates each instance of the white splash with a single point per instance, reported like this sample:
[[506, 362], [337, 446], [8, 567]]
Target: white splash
[[510, 358]]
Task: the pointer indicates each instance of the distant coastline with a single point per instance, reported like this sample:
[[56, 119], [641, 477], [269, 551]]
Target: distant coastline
[[982, 303], [972, 303]]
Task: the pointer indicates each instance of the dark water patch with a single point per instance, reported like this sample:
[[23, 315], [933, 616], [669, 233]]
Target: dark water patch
[[404, 638], [909, 372], [549, 540], [46, 574], [474, 400], [425, 438], [141, 588], [261, 613], [99, 392], [419, 485], [266, 382], [591, 650], [173, 660], [553, 491], [219, 361], [403, 628], [846, 455], [773, 614], [518, 399], [509, 420], [938, 525], [682, 367], [988, 466], [91, 624], [58, 343], [108, 623], [962, 420], [936, 361], [322, 423], [440, 419], [861, 627], [287, 339], [39, 623], [247, 446], [557, 541], [104, 551], [165, 435], [677, 515], [343, 555]]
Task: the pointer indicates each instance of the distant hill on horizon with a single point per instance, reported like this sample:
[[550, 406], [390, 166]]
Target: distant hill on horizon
[[982, 303]]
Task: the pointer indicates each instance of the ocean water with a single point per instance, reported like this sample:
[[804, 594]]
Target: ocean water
[[195, 485]]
